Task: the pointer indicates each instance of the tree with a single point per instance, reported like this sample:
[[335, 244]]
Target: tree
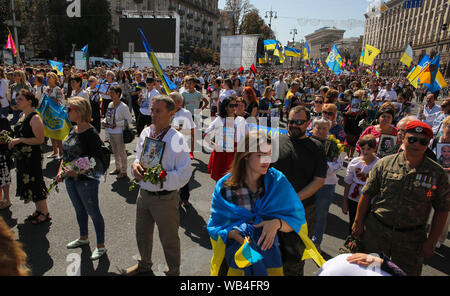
[[238, 8], [4, 13], [252, 23]]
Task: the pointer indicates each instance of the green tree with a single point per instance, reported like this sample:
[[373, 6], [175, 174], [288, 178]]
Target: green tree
[[4, 14], [252, 23]]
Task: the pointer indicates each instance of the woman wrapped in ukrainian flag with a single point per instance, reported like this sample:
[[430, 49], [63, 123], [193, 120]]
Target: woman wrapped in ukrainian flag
[[250, 205]]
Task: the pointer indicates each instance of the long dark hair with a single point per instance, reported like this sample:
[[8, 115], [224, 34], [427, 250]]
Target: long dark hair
[[223, 106]]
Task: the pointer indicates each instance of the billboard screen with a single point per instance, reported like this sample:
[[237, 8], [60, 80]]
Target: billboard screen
[[160, 33]]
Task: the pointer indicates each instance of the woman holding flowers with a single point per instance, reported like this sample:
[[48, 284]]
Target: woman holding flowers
[[82, 169], [325, 195], [29, 135], [5, 162]]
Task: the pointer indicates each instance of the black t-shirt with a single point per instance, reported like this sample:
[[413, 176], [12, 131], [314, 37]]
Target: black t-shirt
[[135, 87], [300, 160]]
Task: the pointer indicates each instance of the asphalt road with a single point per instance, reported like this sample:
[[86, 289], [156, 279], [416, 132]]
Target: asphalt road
[[45, 243]]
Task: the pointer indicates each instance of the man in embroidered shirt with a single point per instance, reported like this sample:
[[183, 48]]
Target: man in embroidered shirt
[[159, 203], [429, 112]]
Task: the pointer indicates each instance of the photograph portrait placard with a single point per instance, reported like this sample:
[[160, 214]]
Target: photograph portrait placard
[[152, 152], [355, 105], [386, 144], [103, 88], [443, 154]]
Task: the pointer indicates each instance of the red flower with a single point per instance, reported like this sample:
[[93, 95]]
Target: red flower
[[162, 175]]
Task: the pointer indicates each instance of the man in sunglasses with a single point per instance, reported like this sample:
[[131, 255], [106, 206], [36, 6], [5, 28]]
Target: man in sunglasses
[[303, 161], [404, 187]]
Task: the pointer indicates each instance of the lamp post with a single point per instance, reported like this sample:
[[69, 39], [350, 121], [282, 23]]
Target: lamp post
[[271, 14], [441, 26]]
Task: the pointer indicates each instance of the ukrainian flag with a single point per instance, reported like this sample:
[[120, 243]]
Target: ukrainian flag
[[370, 54], [279, 53], [270, 44], [58, 66], [56, 122], [246, 255], [407, 56], [413, 76], [279, 201], [292, 52], [263, 59], [429, 72], [334, 60], [361, 58], [168, 85], [306, 52]]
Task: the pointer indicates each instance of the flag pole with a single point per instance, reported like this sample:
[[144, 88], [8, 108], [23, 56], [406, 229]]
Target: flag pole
[[16, 39]]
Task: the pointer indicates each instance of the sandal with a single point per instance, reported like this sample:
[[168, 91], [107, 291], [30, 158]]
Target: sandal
[[36, 220], [33, 216]]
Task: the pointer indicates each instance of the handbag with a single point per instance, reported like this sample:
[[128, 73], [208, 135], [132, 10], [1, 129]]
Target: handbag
[[128, 134]]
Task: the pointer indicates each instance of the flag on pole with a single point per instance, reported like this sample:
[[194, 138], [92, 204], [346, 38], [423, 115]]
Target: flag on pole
[[10, 44], [85, 51], [279, 52], [241, 69], [292, 52], [58, 66], [429, 72], [361, 58], [306, 51], [167, 83], [334, 60], [413, 76], [407, 56], [370, 53], [270, 44], [253, 69]]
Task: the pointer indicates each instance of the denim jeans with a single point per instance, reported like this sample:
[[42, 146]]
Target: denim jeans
[[324, 198], [16, 116], [84, 197]]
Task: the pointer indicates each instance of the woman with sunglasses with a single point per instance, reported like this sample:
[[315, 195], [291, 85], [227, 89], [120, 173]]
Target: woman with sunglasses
[[329, 111], [29, 135], [82, 187], [225, 132], [351, 125], [385, 117]]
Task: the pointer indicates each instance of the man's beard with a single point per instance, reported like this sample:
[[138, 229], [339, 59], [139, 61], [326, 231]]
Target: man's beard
[[296, 132]]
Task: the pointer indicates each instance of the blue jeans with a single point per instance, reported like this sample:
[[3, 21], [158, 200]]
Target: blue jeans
[[84, 197], [324, 198]]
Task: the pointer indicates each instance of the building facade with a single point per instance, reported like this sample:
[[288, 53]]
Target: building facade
[[350, 48], [322, 40], [199, 19], [392, 30]]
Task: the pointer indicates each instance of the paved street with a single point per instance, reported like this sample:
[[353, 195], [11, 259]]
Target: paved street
[[45, 244]]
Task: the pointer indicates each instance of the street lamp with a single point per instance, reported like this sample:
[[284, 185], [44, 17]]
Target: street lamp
[[293, 32], [271, 14]]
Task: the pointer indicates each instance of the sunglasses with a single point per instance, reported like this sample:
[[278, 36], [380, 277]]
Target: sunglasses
[[232, 105], [422, 141], [297, 122], [318, 102], [328, 113]]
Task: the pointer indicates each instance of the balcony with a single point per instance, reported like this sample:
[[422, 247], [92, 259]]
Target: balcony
[[190, 15], [210, 23], [189, 26], [197, 29]]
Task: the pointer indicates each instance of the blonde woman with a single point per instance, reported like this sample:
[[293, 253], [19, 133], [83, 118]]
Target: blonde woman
[[20, 82], [56, 94]]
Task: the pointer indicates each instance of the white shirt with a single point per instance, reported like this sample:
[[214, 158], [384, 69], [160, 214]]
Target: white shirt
[[390, 96], [226, 93], [175, 161], [3, 93], [225, 135], [146, 102], [38, 93], [121, 113], [357, 174], [183, 117], [281, 89], [333, 168], [339, 266], [430, 114], [82, 93]]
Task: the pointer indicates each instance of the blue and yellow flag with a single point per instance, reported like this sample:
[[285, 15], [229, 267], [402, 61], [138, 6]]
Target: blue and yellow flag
[[292, 52], [279, 201], [246, 256], [58, 66], [85, 51], [270, 44], [306, 52], [263, 59], [279, 52], [370, 53], [413, 76], [334, 60], [167, 83], [56, 122], [429, 72]]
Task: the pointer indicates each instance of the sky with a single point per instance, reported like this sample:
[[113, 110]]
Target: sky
[[289, 10]]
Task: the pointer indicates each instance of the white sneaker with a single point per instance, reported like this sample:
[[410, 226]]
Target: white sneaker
[[438, 245]]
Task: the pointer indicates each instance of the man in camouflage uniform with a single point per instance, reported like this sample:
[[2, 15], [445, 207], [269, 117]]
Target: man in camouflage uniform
[[404, 186]]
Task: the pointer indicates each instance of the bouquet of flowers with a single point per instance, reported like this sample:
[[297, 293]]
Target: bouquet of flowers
[[335, 148], [154, 175], [5, 137], [78, 165]]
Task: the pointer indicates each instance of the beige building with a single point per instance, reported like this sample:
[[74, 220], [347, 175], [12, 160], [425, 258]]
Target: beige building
[[392, 30], [350, 48], [321, 40], [199, 19]]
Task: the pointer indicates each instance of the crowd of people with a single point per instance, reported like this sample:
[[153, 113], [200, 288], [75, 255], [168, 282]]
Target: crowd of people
[[397, 162]]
